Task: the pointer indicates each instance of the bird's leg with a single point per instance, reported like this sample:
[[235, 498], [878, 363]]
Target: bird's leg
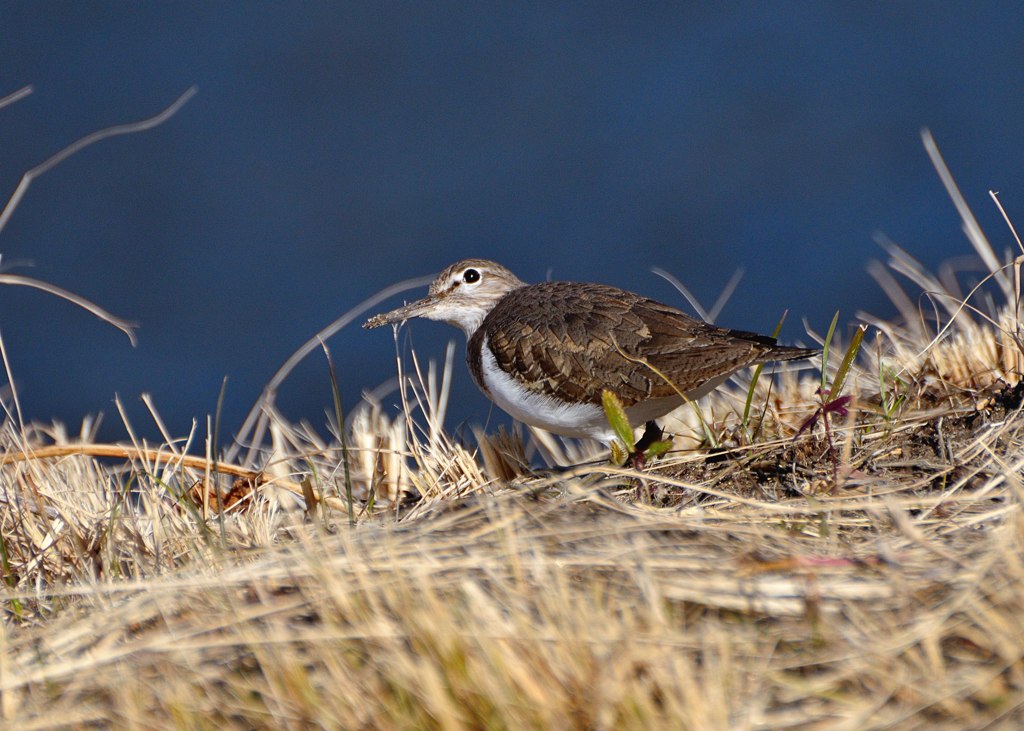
[[652, 433]]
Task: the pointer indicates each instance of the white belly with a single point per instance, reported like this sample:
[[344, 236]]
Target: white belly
[[560, 417]]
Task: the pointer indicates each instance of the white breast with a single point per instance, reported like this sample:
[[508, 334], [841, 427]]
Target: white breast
[[535, 409]]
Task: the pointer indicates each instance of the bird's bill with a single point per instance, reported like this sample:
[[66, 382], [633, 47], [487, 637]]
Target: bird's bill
[[401, 314]]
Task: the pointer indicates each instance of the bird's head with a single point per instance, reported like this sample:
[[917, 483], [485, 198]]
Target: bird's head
[[461, 295]]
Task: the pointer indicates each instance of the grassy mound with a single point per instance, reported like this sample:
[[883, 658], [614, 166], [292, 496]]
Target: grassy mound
[[838, 556]]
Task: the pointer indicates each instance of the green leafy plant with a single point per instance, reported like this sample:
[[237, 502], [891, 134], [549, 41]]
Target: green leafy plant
[[892, 392], [753, 385], [622, 446], [830, 400]]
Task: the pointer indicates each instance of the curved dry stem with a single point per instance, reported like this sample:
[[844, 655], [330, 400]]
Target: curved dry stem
[[15, 96], [962, 305], [970, 224], [125, 326], [120, 129], [159, 456], [256, 421], [683, 290]]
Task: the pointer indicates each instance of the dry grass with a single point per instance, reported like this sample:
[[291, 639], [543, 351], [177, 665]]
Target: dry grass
[[870, 579], [549, 603], [784, 583]]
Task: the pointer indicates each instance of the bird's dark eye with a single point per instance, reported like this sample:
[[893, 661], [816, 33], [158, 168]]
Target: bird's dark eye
[[470, 276]]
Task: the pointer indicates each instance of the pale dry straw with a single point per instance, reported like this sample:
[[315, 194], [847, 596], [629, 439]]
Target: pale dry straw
[[876, 582]]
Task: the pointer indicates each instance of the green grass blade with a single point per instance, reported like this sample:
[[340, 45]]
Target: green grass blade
[[824, 351], [215, 453], [616, 416], [848, 358], [757, 375], [339, 417]]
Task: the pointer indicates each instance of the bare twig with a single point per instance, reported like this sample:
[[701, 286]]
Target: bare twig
[[256, 420], [157, 456], [970, 224], [120, 129], [15, 96], [125, 326]]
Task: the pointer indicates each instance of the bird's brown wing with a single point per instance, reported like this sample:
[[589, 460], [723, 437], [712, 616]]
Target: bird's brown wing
[[572, 340]]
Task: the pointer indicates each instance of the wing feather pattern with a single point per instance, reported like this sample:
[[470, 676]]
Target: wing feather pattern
[[570, 340]]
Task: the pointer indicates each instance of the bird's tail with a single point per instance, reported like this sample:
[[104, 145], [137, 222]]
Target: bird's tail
[[787, 352]]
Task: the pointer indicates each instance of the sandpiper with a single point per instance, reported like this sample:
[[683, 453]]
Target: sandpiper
[[545, 352]]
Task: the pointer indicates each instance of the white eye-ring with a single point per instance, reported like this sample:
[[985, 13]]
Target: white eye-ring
[[471, 276]]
